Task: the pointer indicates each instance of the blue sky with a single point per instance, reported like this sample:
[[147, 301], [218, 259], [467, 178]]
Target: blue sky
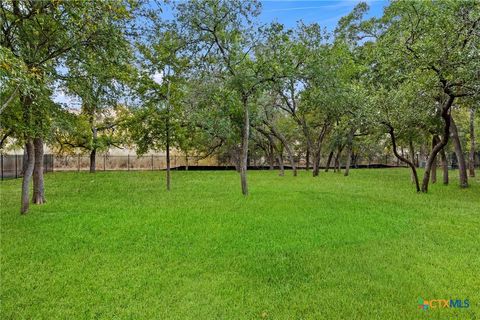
[[324, 12]]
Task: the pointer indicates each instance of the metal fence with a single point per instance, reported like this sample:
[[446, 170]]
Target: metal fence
[[11, 165], [126, 162]]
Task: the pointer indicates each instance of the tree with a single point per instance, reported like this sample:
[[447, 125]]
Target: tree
[[40, 34], [98, 78], [224, 35], [433, 44]]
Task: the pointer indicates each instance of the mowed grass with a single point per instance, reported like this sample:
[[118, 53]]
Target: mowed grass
[[116, 245]]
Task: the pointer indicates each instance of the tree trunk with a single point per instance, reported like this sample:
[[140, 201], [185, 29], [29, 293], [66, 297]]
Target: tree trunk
[[471, 159], [244, 151], [349, 151], [285, 144], [462, 167], [443, 158], [27, 176], [410, 163], [329, 160], [443, 142], [93, 158], [307, 160], [336, 164], [93, 152], [433, 177], [38, 181], [318, 150], [280, 164], [411, 150], [316, 163]]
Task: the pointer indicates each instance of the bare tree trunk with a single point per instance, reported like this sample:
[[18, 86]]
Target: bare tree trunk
[[443, 158], [410, 163], [307, 160], [244, 152], [433, 177], [93, 152], [93, 158], [280, 164], [471, 159], [443, 142], [411, 150], [38, 181], [462, 167], [349, 151], [316, 163], [285, 144], [318, 150], [27, 176], [329, 160]]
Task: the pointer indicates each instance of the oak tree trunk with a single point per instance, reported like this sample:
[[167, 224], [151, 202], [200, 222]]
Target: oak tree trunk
[[38, 181], [93, 152], [329, 160], [27, 175], [462, 167], [411, 150], [93, 159], [286, 145], [307, 160], [443, 158], [433, 177], [439, 146], [316, 163], [280, 164], [318, 149], [336, 164], [410, 163]]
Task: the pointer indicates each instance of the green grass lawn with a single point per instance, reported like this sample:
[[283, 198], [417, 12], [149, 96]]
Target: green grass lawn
[[116, 245]]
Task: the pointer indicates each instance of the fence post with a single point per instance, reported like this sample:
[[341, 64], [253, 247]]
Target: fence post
[[78, 163], [152, 162], [128, 162], [104, 161], [1, 163]]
